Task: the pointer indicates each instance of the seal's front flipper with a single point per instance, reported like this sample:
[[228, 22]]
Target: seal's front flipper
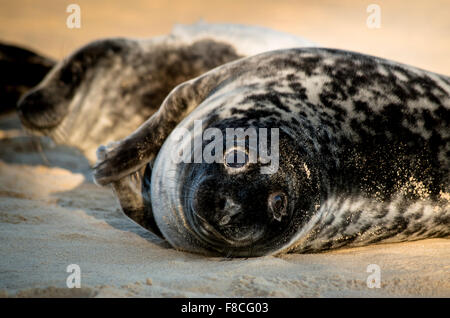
[[20, 70], [124, 157], [133, 192]]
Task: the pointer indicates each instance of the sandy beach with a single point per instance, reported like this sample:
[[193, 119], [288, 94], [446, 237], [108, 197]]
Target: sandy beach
[[53, 215]]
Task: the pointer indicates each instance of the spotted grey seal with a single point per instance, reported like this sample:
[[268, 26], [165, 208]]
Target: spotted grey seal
[[106, 89], [364, 150]]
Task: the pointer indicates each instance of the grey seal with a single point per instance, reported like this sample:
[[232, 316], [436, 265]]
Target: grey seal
[[364, 150], [107, 88]]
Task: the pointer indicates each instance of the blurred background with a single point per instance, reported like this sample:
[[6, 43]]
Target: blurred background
[[415, 32]]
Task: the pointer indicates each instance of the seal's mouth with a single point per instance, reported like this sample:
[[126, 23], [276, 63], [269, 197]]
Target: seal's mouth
[[218, 240]]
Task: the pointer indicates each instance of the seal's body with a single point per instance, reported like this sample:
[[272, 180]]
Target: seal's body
[[106, 89], [364, 148]]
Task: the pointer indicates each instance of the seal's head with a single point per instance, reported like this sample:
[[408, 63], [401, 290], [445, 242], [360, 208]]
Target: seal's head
[[240, 204], [45, 107]]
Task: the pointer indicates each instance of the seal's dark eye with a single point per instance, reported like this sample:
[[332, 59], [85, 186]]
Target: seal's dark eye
[[236, 158], [278, 205]]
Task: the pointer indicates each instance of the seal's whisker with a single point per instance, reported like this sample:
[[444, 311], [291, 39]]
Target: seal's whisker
[[229, 253], [41, 151], [37, 143]]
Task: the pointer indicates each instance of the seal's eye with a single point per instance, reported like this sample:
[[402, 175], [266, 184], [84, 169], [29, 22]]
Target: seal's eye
[[278, 205], [235, 158]]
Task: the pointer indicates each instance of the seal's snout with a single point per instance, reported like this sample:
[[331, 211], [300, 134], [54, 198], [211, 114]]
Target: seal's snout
[[218, 215], [219, 219], [38, 111], [229, 210]]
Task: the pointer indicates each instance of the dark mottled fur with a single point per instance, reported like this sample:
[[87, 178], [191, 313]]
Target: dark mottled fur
[[372, 133]]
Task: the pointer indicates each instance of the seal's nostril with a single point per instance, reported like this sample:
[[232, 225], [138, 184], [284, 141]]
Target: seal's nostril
[[221, 204], [225, 220], [230, 209]]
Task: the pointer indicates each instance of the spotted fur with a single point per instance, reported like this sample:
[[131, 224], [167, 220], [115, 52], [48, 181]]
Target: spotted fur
[[364, 152]]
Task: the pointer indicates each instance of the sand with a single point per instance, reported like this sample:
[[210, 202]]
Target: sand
[[52, 215]]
